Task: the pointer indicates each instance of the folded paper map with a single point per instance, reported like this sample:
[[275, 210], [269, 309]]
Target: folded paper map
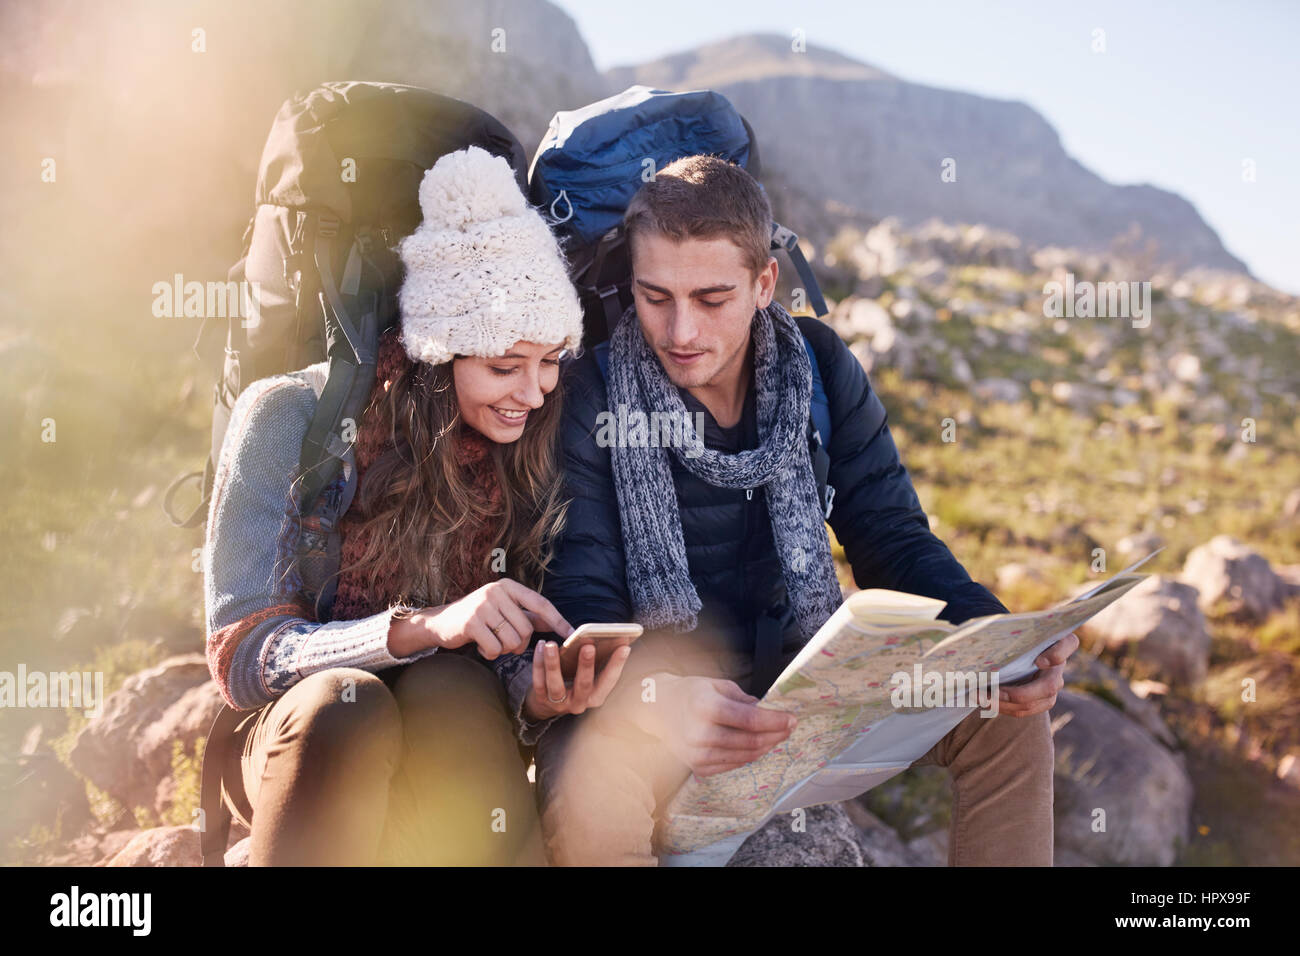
[[852, 735]]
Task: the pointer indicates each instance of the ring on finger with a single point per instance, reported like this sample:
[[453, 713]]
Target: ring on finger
[[554, 701]]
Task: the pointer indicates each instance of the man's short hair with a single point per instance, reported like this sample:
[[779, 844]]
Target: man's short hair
[[703, 197]]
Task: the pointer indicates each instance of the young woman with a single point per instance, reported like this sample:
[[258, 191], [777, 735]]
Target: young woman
[[357, 636]]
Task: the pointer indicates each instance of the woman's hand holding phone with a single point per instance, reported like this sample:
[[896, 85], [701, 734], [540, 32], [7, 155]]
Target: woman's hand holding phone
[[551, 696], [499, 618]]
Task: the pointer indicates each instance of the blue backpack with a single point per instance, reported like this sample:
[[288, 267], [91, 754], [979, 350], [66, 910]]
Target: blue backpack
[[593, 160]]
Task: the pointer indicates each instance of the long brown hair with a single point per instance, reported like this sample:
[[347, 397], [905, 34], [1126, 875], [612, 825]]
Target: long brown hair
[[414, 500]]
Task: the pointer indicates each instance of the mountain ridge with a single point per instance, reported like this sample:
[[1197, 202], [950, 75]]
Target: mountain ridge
[[894, 136]]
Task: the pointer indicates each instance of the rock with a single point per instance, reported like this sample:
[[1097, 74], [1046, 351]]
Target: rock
[[127, 750], [161, 846], [1234, 579], [174, 846], [870, 286], [961, 371], [830, 839], [1139, 545], [91, 849], [999, 390], [1067, 857], [41, 790], [1107, 762], [930, 849], [886, 847], [1074, 538], [1087, 674], [237, 855], [110, 844], [1290, 576], [865, 317], [1015, 574], [1159, 623], [1080, 397], [1185, 367]]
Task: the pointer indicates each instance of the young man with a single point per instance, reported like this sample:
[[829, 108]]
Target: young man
[[721, 551]]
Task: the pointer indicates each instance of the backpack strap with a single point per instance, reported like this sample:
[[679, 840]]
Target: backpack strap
[[610, 305], [214, 815], [787, 240], [819, 432], [819, 422], [352, 333]]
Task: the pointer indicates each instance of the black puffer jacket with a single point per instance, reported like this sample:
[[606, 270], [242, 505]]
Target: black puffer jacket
[[875, 515]]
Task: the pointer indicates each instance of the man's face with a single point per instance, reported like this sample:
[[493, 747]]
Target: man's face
[[696, 299]]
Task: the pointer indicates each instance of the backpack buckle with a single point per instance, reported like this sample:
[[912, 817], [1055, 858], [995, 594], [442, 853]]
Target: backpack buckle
[[783, 238], [830, 497]]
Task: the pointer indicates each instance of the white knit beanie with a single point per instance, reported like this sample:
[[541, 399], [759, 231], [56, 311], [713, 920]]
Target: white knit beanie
[[483, 270]]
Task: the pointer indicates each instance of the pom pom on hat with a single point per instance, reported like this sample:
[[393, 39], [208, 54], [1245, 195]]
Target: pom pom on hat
[[469, 186], [483, 270]]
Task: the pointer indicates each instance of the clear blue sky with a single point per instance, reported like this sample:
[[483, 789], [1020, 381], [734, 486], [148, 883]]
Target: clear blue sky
[[1184, 92]]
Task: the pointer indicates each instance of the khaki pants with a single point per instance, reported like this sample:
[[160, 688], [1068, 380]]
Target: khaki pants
[[602, 784], [417, 766]]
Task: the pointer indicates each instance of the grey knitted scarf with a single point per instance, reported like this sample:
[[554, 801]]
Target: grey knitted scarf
[[657, 573]]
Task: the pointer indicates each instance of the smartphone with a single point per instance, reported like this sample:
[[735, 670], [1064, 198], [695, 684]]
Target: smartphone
[[607, 638]]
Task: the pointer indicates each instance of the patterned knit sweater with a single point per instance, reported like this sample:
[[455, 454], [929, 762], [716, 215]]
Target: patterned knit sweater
[[264, 609]]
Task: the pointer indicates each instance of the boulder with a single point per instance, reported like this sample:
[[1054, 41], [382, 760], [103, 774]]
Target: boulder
[[1017, 574], [829, 837], [1290, 575], [94, 848], [1233, 578], [237, 855], [175, 846], [1139, 545], [127, 750], [886, 846], [1080, 397], [929, 849], [1068, 857], [1087, 674], [999, 390], [1185, 367], [111, 843], [864, 317], [1160, 625], [161, 846], [36, 789], [1107, 762]]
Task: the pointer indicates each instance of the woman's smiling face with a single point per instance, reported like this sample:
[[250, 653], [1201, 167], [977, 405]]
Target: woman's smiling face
[[496, 394]]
